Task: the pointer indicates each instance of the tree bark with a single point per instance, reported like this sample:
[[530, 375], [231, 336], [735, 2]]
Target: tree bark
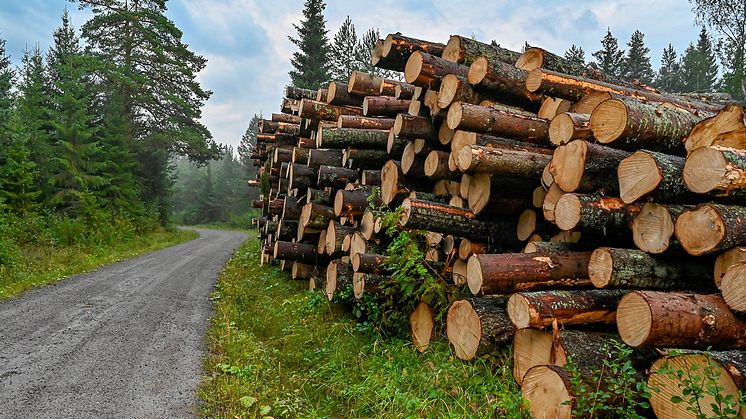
[[397, 49], [463, 50], [394, 185], [300, 252], [338, 279], [496, 193], [286, 229], [315, 216], [584, 166], [337, 94], [353, 203], [604, 214], [286, 118], [405, 91], [362, 122], [504, 80], [351, 137], [465, 116], [436, 166], [364, 84], [336, 177], [384, 106], [324, 157], [317, 196], [371, 177], [541, 309], [369, 264], [655, 175], [456, 89], [504, 160], [478, 325], [301, 177], [711, 228], [364, 158], [427, 70], [408, 126], [311, 109], [298, 93]]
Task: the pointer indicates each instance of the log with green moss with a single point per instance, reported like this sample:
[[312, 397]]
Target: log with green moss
[[464, 50], [351, 137]]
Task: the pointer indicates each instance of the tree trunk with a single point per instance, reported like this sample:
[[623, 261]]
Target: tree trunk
[[316, 217], [463, 50], [655, 175], [584, 166], [397, 49], [335, 235], [394, 185], [467, 248], [496, 194], [726, 129], [318, 196], [726, 260], [300, 155], [286, 229], [679, 320], [478, 325], [427, 70], [607, 215], [405, 91], [371, 177], [411, 164], [572, 307], [408, 126], [364, 84], [301, 177], [271, 127], [551, 107], [337, 94], [311, 109], [353, 203], [436, 166], [369, 264], [362, 122], [351, 137], [388, 87], [569, 126], [465, 116], [716, 170], [384, 106], [305, 253], [364, 158], [503, 80], [630, 124], [509, 272], [286, 118], [504, 160], [336, 177], [298, 93], [456, 89], [324, 157], [711, 228]]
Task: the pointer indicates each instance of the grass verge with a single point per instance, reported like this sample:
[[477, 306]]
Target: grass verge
[[279, 350], [41, 265]]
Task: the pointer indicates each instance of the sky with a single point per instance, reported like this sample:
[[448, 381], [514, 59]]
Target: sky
[[248, 51]]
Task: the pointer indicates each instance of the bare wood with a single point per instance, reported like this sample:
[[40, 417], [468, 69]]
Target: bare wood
[[477, 325], [711, 228], [551, 107], [298, 93], [584, 166], [652, 174], [456, 89], [422, 326], [531, 347], [727, 129], [653, 228], [363, 84], [436, 166], [394, 184], [404, 90], [726, 260], [351, 137], [554, 193], [716, 170], [338, 278], [732, 286], [408, 126], [568, 126]]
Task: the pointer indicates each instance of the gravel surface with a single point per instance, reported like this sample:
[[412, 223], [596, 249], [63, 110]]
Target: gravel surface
[[125, 341]]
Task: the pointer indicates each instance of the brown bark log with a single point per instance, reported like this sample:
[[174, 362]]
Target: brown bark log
[[396, 49], [286, 118], [463, 50], [315, 216], [337, 94], [320, 197], [503, 80], [711, 228], [336, 177], [335, 236], [286, 229], [405, 91], [362, 122], [371, 177], [311, 109], [436, 166], [384, 106], [597, 213], [364, 84], [509, 272], [427, 70], [394, 185], [583, 166], [457, 89], [464, 116], [353, 203], [655, 175], [540, 309], [408, 126], [520, 161], [726, 260], [477, 325], [300, 155], [388, 87], [301, 177], [324, 157], [355, 158], [338, 279], [569, 126], [369, 264], [305, 253]]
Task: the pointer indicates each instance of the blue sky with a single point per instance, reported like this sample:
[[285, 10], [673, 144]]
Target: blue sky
[[248, 50]]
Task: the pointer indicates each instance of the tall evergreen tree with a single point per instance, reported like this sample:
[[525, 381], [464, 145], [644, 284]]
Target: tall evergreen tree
[[18, 189], [342, 59], [7, 77], [364, 53], [699, 66], [144, 61], [637, 62], [575, 55], [248, 143], [610, 59], [310, 64], [668, 77]]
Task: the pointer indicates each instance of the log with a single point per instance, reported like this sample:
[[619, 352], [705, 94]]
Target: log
[[336, 177], [726, 260], [457, 89], [629, 124], [298, 93], [496, 194], [548, 390], [504, 160], [436, 166], [463, 50], [465, 116], [552, 83], [363, 84], [540, 309], [303, 270], [335, 236], [369, 264], [312, 109], [355, 158], [318, 196], [551, 107], [286, 229], [490, 274], [408, 126], [711, 228], [275, 206], [384, 106], [732, 287], [301, 177], [679, 320], [371, 177], [422, 326], [388, 87], [395, 144], [354, 202], [412, 164], [544, 247], [583, 166], [727, 129], [362, 122], [289, 106], [441, 218], [300, 155], [405, 91], [315, 216], [324, 157], [351, 137], [569, 126], [634, 269], [467, 247], [338, 279], [716, 170], [477, 325], [394, 184], [531, 347], [504, 80], [464, 138], [595, 213], [445, 134], [427, 70], [337, 94], [286, 118], [554, 193], [300, 252], [655, 175], [321, 95], [728, 369], [653, 227], [396, 49]]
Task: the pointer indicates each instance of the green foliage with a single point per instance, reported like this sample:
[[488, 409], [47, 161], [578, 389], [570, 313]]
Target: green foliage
[[310, 64], [575, 55], [699, 67], [277, 346], [668, 78], [695, 384], [18, 173], [342, 59], [609, 59], [637, 62], [613, 390]]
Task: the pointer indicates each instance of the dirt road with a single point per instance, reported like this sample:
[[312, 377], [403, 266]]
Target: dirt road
[[124, 341]]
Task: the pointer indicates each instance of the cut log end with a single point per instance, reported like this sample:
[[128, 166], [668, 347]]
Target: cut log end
[[431, 163], [700, 230], [448, 87], [479, 190], [422, 326], [474, 275], [561, 129], [531, 347], [609, 120], [638, 176], [600, 267], [733, 287], [546, 391], [567, 211], [569, 161], [389, 181], [531, 59], [534, 79], [463, 328], [414, 67], [331, 280], [726, 260], [519, 311], [634, 319], [453, 118], [452, 50], [478, 70], [704, 170], [526, 224], [653, 228]]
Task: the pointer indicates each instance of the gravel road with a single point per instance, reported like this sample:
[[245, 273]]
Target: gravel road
[[125, 341]]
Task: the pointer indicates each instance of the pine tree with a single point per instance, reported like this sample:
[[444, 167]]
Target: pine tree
[[342, 60], [637, 62], [143, 60], [699, 68], [364, 53], [575, 55], [609, 59], [668, 78], [310, 65]]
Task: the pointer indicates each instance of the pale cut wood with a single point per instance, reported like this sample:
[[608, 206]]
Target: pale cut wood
[[584, 166], [477, 325], [711, 228], [727, 259], [727, 129], [653, 228], [422, 326], [653, 174], [551, 107], [716, 170], [733, 287], [567, 126], [547, 390], [531, 347]]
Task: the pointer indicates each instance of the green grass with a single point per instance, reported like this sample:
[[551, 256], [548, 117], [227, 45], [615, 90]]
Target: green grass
[[41, 265], [282, 351]]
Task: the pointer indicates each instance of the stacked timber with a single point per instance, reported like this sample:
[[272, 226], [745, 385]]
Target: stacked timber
[[566, 210]]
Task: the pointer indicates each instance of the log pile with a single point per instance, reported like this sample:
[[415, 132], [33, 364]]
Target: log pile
[[576, 208]]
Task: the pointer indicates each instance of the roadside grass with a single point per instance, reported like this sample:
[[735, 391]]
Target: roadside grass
[[278, 350], [43, 264]]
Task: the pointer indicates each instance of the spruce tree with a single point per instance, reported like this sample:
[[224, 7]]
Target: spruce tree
[[610, 59], [310, 64], [637, 62], [699, 67], [732, 59], [575, 55], [342, 60], [668, 78], [7, 77], [143, 60], [248, 143], [364, 53], [18, 190]]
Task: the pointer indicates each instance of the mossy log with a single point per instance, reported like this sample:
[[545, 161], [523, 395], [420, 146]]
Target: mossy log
[[711, 228], [320, 111], [464, 50], [351, 137]]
